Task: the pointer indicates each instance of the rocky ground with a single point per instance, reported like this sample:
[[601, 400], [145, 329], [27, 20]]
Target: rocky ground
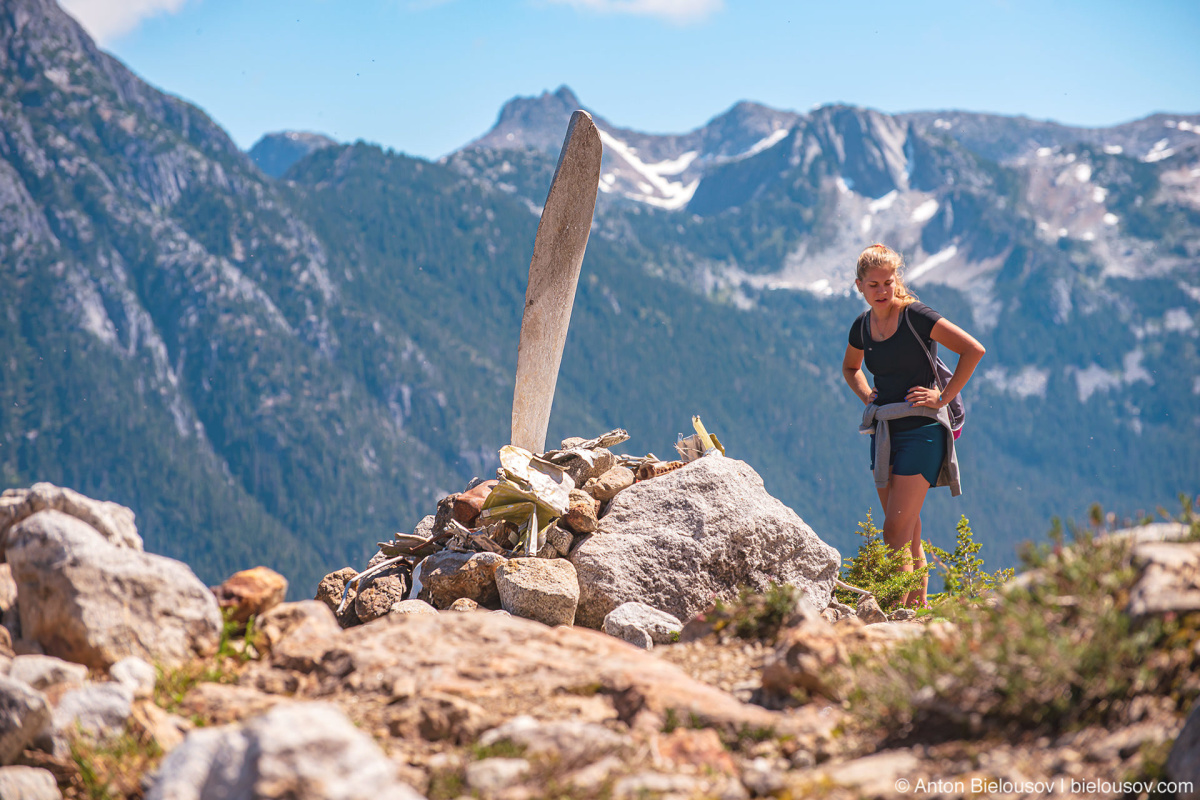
[[130, 679]]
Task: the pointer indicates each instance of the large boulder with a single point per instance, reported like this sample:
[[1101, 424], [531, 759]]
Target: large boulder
[[703, 530], [112, 521], [86, 600], [308, 750]]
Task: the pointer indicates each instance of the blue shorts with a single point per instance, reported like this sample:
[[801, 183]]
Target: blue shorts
[[919, 451]]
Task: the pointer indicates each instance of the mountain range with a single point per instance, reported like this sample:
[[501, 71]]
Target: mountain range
[[285, 355]]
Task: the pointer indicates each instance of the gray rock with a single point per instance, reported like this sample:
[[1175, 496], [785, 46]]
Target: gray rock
[[42, 672], [378, 593], [1169, 580], [112, 521], [493, 774], [135, 673], [330, 591], [9, 613], [583, 465], [560, 539], [98, 603], [569, 743], [703, 530], [1183, 764], [424, 528], [868, 610], [28, 783], [24, 716], [447, 576], [462, 604], [608, 485], [99, 710], [414, 607], [307, 750], [641, 625], [539, 589]]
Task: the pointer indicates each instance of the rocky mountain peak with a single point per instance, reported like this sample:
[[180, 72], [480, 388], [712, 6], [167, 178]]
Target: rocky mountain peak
[[275, 153], [537, 122]]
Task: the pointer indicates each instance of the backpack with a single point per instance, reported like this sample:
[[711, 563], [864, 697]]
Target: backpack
[[941, 374]]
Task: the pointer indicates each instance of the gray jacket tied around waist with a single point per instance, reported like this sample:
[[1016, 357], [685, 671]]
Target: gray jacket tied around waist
[[876, 420]]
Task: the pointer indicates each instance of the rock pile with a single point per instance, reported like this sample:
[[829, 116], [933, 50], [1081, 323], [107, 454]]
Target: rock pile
[[568, 536]]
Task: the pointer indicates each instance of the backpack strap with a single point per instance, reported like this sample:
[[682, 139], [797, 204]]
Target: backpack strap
[[932, 364]]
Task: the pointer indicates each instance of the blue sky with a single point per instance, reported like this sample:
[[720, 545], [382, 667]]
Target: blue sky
[[426, 76]]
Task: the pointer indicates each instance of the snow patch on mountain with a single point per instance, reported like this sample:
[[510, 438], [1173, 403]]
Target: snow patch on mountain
[[651, 179], [1028, 382]]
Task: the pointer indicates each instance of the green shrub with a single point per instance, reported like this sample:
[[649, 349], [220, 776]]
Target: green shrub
[[1057, 653], [879, 569], [755, 615], [963, 571]]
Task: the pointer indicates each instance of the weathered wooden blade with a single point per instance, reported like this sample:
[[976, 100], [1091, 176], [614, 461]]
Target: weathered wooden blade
[[562, 237]]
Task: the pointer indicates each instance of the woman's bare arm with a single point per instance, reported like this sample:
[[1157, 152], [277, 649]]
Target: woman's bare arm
[[970, 352], [855, 379]]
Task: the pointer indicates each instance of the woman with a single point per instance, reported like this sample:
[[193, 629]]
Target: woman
[[905, 410]]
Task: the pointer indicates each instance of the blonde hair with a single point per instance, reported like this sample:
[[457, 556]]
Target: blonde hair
[[879, 256]]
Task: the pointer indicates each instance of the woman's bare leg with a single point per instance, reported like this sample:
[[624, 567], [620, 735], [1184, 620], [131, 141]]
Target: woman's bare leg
[[920, 597], [902, 518]]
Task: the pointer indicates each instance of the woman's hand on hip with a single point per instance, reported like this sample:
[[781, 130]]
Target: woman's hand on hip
[[924, 396]]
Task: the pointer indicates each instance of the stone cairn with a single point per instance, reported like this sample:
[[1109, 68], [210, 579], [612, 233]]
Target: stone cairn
[[481, 547]]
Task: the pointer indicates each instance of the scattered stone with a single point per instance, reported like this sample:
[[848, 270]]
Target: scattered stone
[[676, 541], [379, 593], [98, 603], [869, 610], [98, 710], [808, 657], [642, 625], [112, 521], [251, 592], [873, 775], [1169, 580], [223, 703], [165, 729], [763, 777], [581, 513], [903, 615], [560, 539], [463, 604], [9, 613], [447, 576], [42, 672], [307, 750], [28, 783], [569, 742], [546, 591], [1183, 764], [653, 784], [289, 631], [610, 483], [493, 774], [24, 715], [467, 505], [135, 673], [6, 644], [414, 606], [330, 592], [696, 750], [438, 717]]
